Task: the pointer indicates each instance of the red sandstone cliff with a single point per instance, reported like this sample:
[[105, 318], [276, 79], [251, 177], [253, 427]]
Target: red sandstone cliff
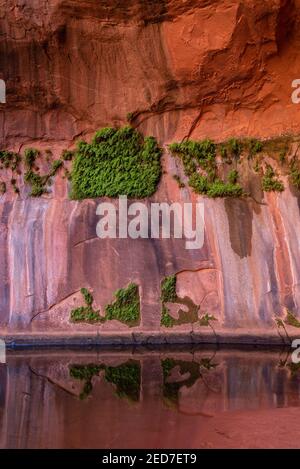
[[196, 68]]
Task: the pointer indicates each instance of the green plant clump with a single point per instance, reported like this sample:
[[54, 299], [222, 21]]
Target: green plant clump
[[291, 319], [166, 318], [221, 189], [206, 319], [217, 188], [116, 162], [2, 187], [295, 175], [37, 183], [233, 176], [255, 146], [235, 147], [270, 182], [55, 166], [196, 154], [126, 308], [31, 155], [168, 289], [9, 160], [86, 313], [202, 155], [67, 155]]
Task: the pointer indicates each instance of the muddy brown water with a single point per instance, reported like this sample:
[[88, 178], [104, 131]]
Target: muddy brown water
[[176, 398]]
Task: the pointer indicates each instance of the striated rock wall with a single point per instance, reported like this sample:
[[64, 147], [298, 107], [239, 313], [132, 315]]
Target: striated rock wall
[[181, 69]]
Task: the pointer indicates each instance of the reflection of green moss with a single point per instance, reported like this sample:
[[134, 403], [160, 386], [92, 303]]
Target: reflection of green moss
[[116, 162], [126, 308], [192, 368], [294, 368], [85, 373], [291, 319], [126, 378]]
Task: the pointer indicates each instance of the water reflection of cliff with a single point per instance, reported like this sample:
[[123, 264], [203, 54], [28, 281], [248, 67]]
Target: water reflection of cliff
[[142, 398]]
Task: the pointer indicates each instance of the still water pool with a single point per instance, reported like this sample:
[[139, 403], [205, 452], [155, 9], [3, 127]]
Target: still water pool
[[161, 398]]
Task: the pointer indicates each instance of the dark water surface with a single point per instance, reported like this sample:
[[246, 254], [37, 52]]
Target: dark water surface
[[176, 398]]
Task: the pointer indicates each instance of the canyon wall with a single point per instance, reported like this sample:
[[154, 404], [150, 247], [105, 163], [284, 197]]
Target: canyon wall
[[175, 69]]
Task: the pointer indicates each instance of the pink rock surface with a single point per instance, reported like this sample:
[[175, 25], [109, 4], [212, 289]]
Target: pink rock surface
[[193, 68]]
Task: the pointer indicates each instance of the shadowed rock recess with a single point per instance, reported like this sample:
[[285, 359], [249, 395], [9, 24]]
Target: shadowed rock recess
[[177, 71]]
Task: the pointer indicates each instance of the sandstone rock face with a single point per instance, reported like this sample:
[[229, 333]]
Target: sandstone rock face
[[182, 69]]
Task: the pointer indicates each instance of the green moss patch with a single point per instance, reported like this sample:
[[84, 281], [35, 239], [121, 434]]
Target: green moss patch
[[295, 174], [199, 162], [86, 313], [38, 182], [270, 181], [116, 162], [168, 289], [291, 319], [67, 155], [186, 315], [2, 187], [202, 162], [9, 160], [126, 308]]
